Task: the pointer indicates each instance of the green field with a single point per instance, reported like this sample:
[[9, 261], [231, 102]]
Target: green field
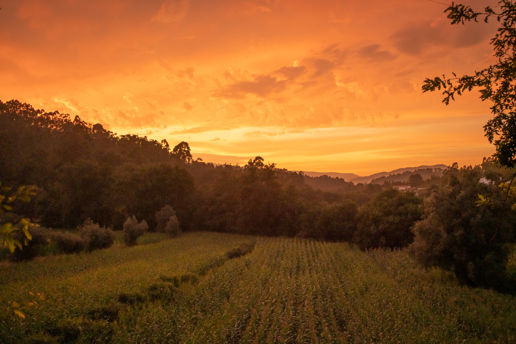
[[187, 290]]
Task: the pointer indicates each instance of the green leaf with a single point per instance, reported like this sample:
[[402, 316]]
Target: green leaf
[[481, 200], [19, 314]]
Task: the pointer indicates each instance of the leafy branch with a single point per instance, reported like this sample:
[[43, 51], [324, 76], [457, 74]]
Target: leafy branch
[[496, 83], [8, 229]]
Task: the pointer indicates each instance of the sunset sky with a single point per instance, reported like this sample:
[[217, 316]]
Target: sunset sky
[[327, 85]]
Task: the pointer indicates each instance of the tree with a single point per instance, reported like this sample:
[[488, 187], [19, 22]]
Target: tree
[[497, 82], [337, 222], [386, 220], [132, 230], [182, 151], [461, 234], [415, 180]]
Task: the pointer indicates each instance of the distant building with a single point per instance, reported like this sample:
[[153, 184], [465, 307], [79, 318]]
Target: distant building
[[408, 188], [402, 187]]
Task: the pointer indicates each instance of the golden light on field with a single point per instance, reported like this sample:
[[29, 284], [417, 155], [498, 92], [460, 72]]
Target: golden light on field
[[317, 86]]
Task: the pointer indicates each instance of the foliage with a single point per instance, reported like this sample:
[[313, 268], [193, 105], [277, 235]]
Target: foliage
[[468, 239], [336, 222], [133, 230], [163, 217], [386, 221], [497, 82], [182, 151], [68, 242], [8, 229], [140, 191], [240, 250], [429, 175], [172, 227], [96, 237], [415, 180], [84, 171], [32, 249]]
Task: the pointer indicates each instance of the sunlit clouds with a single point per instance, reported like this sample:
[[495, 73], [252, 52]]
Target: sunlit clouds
[[315, 86]]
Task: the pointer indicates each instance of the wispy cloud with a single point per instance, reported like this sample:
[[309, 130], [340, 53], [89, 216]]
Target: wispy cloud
[[172, 11]]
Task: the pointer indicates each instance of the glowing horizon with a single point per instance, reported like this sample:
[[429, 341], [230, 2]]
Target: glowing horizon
[[330, 86]]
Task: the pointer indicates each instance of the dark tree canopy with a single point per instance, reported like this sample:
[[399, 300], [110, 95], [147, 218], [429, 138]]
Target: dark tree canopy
[[496, 83], [415, 180], [460, 234], [182, 151]]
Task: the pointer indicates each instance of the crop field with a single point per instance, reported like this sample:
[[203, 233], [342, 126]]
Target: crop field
[[221, 288]]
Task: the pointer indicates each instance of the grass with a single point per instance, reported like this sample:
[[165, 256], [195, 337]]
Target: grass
[[188, 290]]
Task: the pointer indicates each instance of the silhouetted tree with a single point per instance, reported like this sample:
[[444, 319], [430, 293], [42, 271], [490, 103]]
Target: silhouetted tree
[[496, 82], [182, 151]]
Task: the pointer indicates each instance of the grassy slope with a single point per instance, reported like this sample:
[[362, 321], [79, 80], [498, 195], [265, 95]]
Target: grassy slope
[[286, 290]]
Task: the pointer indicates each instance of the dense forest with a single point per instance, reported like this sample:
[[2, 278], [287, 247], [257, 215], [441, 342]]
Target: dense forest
[[85, 174]]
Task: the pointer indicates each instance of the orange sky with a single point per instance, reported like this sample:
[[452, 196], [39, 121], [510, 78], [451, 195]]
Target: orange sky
[[327, 85]]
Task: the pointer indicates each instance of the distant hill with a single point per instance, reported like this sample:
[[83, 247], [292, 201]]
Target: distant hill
[[368, 179], [351, 177], [346, 176]]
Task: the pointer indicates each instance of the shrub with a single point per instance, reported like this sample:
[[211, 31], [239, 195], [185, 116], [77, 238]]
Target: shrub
[[40, 238], [131, 299], [68, 242], [163, 217], [106, 313], [96, 237], [240, 250], [162, 292], [176, 281], [133, 230], [172, 226]]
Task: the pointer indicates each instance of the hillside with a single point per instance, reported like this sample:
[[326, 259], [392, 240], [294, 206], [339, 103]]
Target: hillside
[[188, 290], [351, 177]]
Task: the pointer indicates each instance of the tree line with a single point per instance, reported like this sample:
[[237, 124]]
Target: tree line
[[83, 172]]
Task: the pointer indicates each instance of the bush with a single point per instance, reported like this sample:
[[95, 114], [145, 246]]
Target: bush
[[40, 239], [107, 313], [68, 242], [131, 299], [133, 230], [96, 237], [163, 217], [172, 226], [240, 250]]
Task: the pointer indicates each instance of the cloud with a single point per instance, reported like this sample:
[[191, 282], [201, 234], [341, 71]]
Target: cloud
[[172, 11], [187, 106], [186, 72], [322, 66], [291, 73], [199, 130], [253, 7], [373, 52], [337, 55], [259, 134], [418, 38], [261, 86]]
